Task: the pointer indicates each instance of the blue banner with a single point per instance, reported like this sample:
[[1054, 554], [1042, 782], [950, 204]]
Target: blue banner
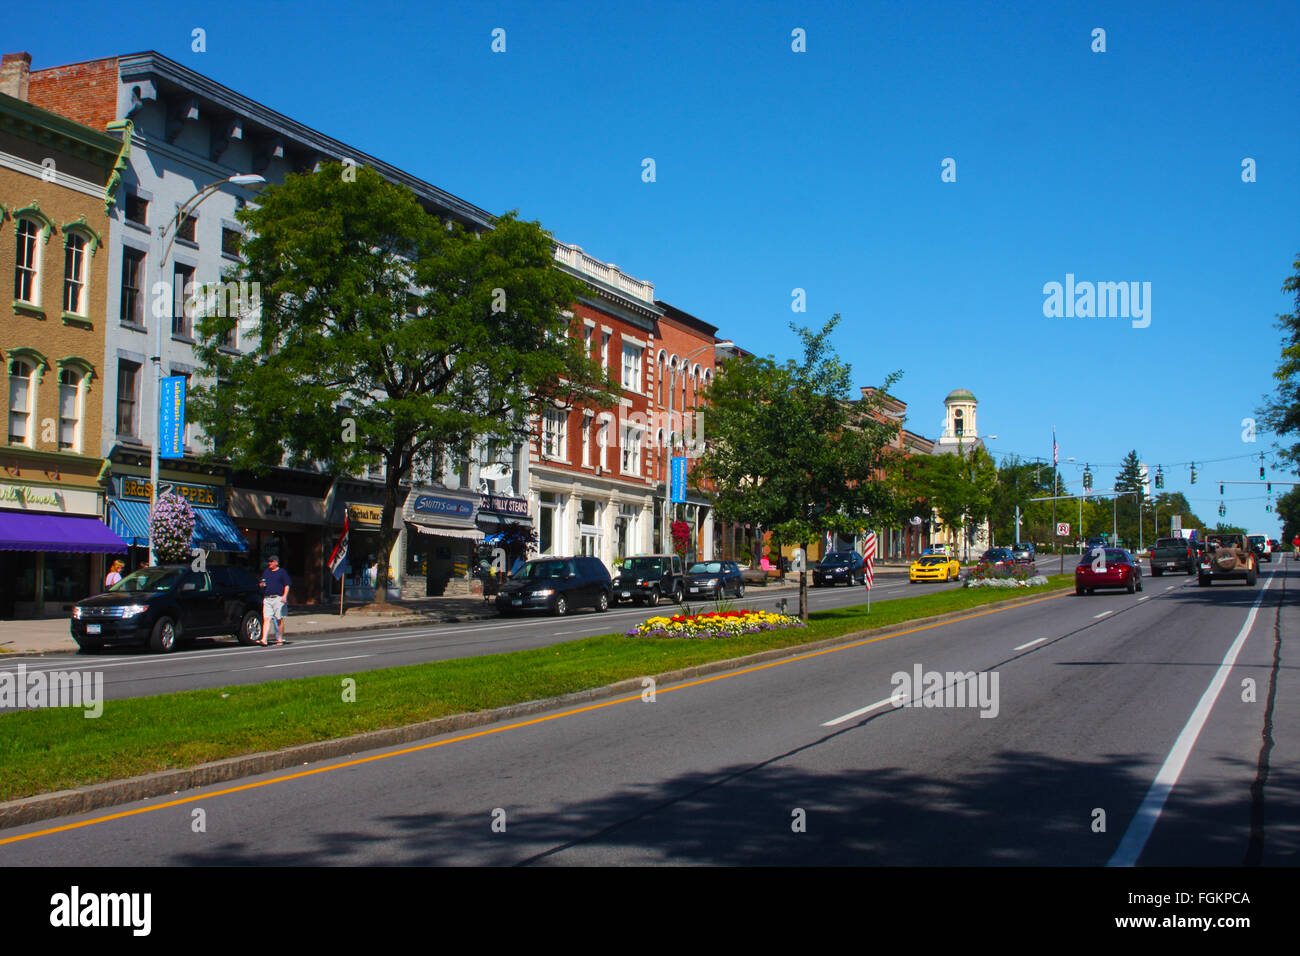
[[679, 479], [171, 418]]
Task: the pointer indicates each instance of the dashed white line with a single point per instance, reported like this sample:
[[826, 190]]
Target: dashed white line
[[1098, 617], [1030, 644], [858, 713], [1141, 599], [1170, 587]]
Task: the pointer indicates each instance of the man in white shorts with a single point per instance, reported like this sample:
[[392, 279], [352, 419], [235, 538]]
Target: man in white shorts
[[275, 588]]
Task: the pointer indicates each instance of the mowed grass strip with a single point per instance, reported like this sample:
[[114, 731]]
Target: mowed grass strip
[[58, 748]]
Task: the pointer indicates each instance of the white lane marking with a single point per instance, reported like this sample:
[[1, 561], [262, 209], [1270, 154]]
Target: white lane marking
[[1098, 617], [1141, 599], [1140, 827], [327, 660], [859, 712], [1030, 644], [1170, 587]]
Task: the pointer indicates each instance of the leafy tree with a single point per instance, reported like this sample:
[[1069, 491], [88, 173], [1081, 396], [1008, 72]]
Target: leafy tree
[[1288, 509], [1165, 505], [1281, 411], [1222, 528], [791, 451], [1017, 482], [386, 336]]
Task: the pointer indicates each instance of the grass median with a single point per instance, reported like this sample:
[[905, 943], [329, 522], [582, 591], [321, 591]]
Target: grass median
[[58, 748]]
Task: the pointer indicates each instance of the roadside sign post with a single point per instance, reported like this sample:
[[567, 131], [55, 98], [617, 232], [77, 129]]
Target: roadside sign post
[[869, 565]]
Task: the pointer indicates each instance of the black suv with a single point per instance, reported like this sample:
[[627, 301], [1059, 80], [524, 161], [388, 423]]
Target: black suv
[[164, 606], [839, 566], [715, 579], [556, 585], [646, 578]]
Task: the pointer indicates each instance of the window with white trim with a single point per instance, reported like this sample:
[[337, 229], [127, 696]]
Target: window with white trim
[[631, 451], [70, 395], [586, 441], [27, 262], [603, 441], [554, 432], [604, 350], [22, 392], [131, 308], [74, 274], [182, 301], [631, 367]]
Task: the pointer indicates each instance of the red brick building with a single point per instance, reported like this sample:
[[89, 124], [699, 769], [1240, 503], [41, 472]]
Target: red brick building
[[597, 476]]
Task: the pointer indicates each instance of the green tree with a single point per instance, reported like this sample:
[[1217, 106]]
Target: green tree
[[1281, 410], [1017, 482], [1129, 506], [386, 337], [1288, 509], [791, 451]]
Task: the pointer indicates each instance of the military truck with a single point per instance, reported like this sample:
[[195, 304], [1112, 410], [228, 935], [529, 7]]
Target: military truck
[[1227, 556]]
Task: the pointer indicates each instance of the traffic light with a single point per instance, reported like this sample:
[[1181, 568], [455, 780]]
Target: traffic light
[[1087, 478], [1220, 491], [1222, 510], [1261, 466], [1160, 477], [1193, 472]]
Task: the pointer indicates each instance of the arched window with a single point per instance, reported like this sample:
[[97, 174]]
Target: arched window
[[22, 401], [27, 262], [958, 424], [71, 381], [74, 274]]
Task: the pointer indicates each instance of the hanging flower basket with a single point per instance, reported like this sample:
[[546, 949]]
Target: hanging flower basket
[[173, 527]]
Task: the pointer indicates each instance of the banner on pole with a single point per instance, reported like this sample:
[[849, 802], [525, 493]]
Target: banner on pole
[[171, 417], [679, 479]]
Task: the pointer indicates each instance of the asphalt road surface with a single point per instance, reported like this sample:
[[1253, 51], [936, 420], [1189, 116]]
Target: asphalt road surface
[[1156, 729]]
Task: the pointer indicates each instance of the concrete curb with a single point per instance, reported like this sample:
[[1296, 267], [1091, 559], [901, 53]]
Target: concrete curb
[[16, 813]]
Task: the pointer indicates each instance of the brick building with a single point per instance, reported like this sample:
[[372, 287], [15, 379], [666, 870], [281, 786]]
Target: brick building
[[56, 185]]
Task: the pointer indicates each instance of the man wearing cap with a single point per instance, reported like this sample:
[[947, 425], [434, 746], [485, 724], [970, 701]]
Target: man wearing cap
[[275, 589]]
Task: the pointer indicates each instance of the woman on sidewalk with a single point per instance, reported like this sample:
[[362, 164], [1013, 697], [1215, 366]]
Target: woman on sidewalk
[[114, 573]]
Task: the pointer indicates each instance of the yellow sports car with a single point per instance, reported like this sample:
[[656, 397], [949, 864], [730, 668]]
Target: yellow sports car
[[934, 567]]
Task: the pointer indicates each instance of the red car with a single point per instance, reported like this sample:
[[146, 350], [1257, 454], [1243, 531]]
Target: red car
[[1107, 568]]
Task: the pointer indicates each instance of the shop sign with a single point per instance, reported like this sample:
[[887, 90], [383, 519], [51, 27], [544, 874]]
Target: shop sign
[[443, 507], [200, 496], [23, 495], [366, 515], [504, 504]]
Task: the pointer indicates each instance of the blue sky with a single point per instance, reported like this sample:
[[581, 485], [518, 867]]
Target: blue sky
[[820, 170]]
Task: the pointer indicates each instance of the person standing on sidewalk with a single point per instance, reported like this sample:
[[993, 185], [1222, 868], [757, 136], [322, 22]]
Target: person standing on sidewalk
[[114, 573], [275, 590]]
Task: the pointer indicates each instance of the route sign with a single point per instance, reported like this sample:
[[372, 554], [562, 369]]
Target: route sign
[[1062, 529]]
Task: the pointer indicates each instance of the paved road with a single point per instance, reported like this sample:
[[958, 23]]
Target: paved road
[[132, 672], [1097, 698]]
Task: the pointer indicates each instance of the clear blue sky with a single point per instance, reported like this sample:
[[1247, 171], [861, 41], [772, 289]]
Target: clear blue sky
[[821, 171]]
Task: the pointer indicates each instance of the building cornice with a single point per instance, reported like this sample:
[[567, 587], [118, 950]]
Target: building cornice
[[149, 64]]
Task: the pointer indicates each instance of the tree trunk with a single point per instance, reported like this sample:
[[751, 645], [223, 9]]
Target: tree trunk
[[803, 583], [387, 535]]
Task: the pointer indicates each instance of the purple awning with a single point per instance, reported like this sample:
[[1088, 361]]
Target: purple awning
[[45, 532]]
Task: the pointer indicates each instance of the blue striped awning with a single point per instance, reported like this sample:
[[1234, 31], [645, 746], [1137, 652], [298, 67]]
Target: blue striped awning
[[213, 531]]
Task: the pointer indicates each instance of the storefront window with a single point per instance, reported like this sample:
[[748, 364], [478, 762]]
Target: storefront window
[[67, 577], [546, 523]]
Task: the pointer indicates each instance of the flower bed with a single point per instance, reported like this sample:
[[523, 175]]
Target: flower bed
[[714, 624]]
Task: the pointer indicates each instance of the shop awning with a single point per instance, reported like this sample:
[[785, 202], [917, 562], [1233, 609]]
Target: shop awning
[[64, 533], [213, 531], [465, 534]]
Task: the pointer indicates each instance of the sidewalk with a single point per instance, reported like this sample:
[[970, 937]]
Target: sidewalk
[[52, 636]]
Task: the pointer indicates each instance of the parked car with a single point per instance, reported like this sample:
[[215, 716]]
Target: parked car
[[1107, 568], [167, 606], [557, 585], [839, 566], [645, 578], [1173, 554], [1094, 543], [933, 567], [942, 549], [1227, 557], [714, 579]]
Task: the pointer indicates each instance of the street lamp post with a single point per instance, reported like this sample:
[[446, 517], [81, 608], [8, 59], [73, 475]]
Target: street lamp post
[[186, 209]]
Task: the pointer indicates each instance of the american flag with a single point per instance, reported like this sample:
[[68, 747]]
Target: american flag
[[1056, 455]]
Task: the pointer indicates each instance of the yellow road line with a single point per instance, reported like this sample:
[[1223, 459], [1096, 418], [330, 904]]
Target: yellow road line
[[515, 726]]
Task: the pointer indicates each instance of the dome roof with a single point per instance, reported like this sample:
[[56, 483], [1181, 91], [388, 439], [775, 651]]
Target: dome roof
[[959, 395]]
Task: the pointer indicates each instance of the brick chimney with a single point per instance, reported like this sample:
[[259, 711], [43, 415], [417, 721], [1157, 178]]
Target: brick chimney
[[14, 71]]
